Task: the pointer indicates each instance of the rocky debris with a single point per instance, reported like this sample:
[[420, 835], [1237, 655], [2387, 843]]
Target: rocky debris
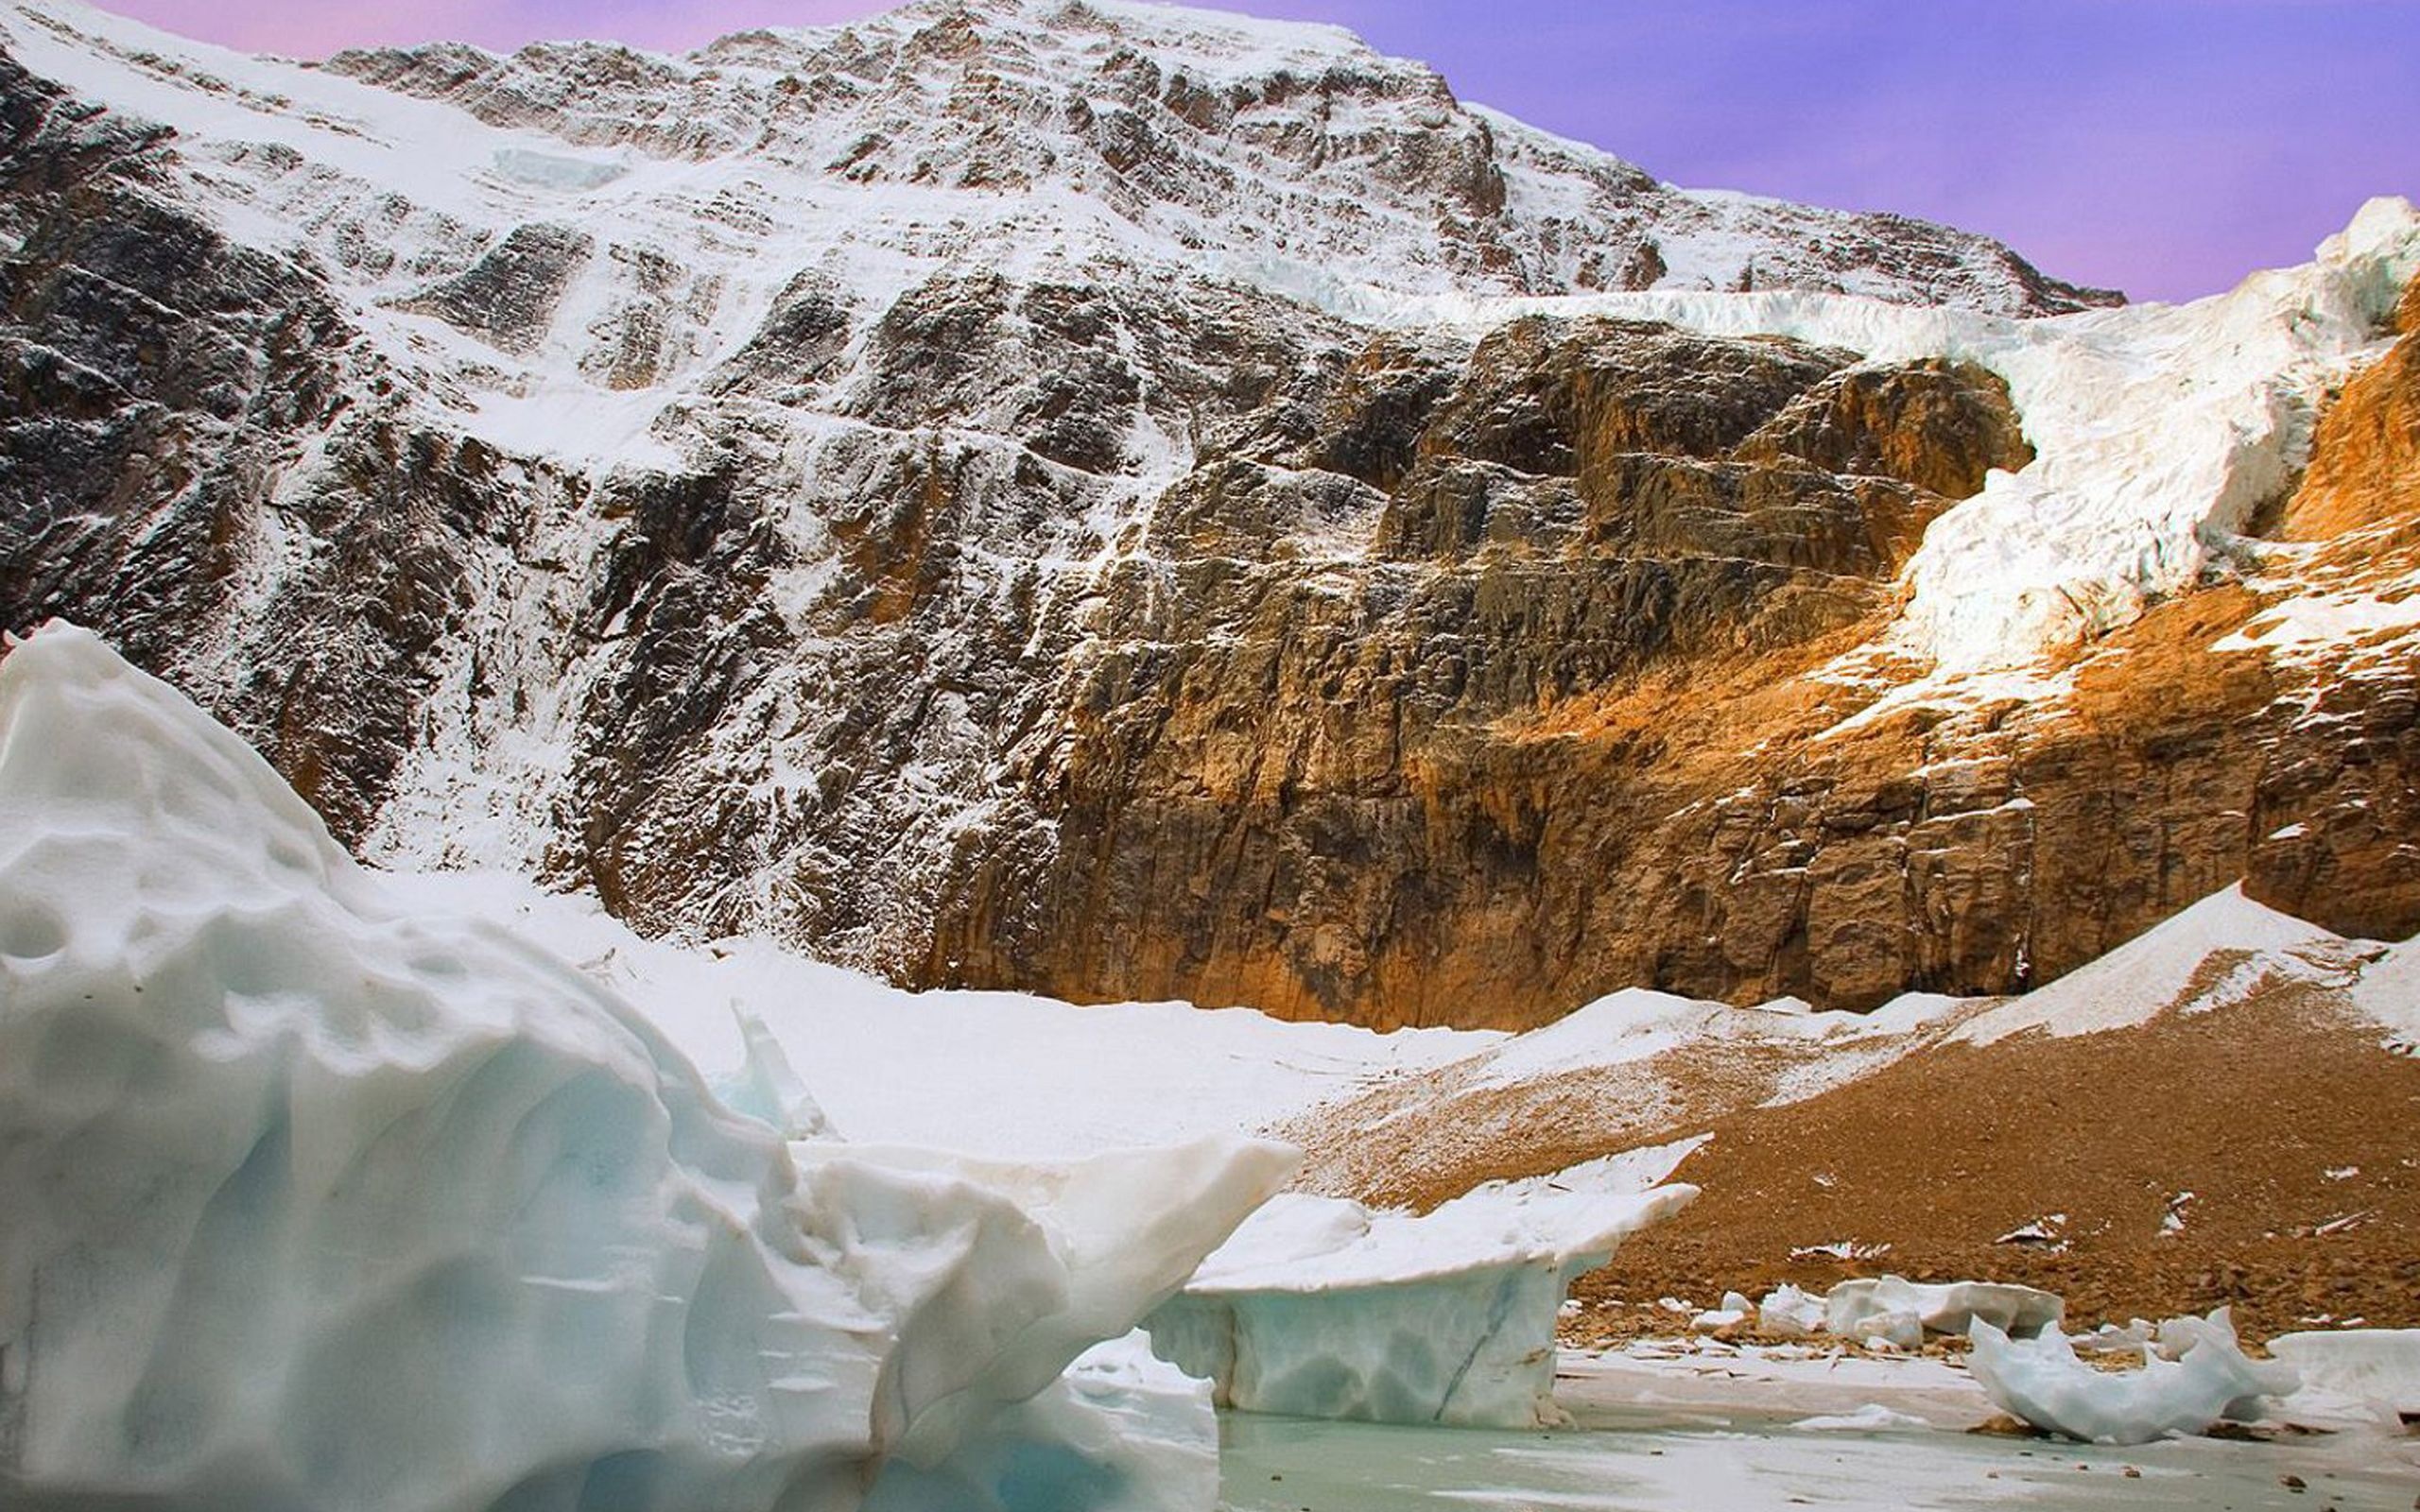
[[1936, 1156], [2276, 1108]]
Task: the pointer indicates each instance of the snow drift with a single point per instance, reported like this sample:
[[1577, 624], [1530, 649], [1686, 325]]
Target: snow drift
[[1321, 1308], [314, 1202]]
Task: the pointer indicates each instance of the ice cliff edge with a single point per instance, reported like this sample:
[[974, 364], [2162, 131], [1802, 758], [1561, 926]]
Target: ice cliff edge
[[316, 1203]]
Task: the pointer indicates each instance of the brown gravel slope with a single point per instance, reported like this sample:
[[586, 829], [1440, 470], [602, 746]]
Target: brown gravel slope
[[2298, 1136], [2294, 1129]]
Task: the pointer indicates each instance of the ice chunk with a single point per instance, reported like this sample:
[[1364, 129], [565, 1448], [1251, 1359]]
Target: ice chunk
[[2041, 1381], [1735, 1309], [1120, 1417], [766, 1089], [1321, 1308], [1872, 1417], [316, 1202], [2109, 1338], [1789, 1313], [1880, 1327], [2377, 1368], [1902, 1311]]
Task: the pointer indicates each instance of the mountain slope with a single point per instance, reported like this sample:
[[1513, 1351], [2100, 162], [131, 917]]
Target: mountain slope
[[1134, 503]]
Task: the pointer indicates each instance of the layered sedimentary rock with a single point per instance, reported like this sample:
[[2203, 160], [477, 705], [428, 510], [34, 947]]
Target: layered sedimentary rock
[[1134, 504]]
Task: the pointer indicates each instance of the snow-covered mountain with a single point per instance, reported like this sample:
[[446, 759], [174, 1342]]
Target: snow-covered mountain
[[1132, 502]]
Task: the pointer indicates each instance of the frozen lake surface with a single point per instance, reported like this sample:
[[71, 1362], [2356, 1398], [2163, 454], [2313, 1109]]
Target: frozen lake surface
[[1709, 1434]]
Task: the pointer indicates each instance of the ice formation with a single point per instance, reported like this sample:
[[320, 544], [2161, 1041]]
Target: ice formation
[[2377, 1367], [1789, 1313], [2198, 1376], [1732, 1311], [1321, 1308], [1903, 1311], [1872, 1417], [315, 1202], [2158, 430]]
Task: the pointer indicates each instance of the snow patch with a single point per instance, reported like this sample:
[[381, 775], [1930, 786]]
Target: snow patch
[[2377, 1368], [2215, 952]]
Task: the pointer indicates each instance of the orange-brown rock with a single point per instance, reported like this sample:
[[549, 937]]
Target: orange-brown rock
[[1405, 785], [1914, 422], [2366, 463], [1575, 723]]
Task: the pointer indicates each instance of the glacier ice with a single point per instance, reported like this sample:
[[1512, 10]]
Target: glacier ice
[[2377, 1368], [1903, 1311], [1119, 1428], [2198, 1376], [316, 1202], [1321, 1308], [1789, 1313], [1732, 1311]]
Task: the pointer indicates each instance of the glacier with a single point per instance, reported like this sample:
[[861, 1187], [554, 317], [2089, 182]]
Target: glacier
[[316, 1200], [2159, 433], [1321, 1308]]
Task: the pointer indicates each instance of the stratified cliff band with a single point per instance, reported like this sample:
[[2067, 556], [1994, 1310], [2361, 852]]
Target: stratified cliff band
[[1132, 503]]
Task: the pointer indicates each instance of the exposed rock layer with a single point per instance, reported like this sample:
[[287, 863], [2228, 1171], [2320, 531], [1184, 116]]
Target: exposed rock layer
[[1099, 624]]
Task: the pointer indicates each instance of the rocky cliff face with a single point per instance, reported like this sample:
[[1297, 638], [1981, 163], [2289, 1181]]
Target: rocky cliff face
[[1131, 502]]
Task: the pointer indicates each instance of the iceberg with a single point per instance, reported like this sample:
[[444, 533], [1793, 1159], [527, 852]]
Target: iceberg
[[316, 1201], [1321, 1308], [2198, 1376], [1902, 1312]]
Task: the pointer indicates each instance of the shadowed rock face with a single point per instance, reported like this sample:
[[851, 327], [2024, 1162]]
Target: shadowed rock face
[[508, 297], [1114, 630]]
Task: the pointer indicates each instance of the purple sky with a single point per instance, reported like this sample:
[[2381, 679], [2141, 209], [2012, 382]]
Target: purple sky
[[2165, 147]]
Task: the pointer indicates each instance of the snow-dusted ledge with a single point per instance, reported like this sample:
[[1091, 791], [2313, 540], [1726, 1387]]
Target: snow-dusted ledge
[[1322, 1308], [316, 1201]]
